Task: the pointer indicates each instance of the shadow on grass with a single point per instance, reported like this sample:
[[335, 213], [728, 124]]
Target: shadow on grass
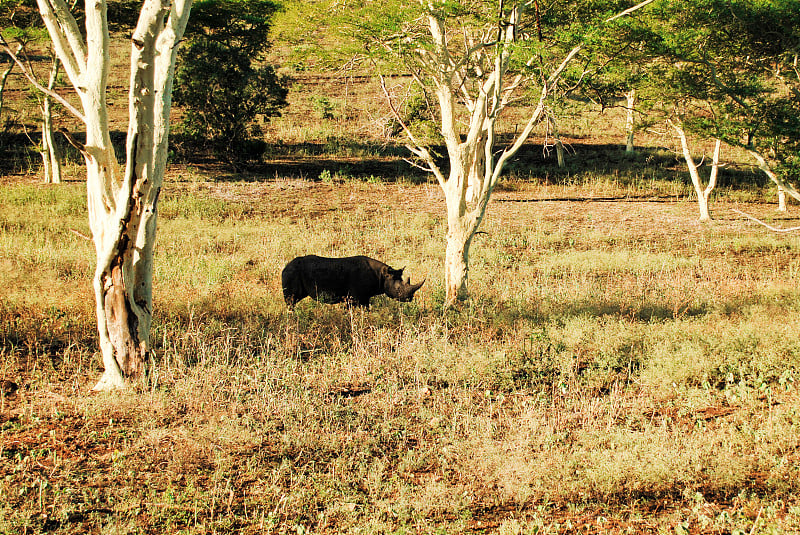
[[348, 158], [508, 313], [390, 163], [33, 338]]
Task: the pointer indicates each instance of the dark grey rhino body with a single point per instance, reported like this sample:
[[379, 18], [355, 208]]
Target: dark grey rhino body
[[354, 279]]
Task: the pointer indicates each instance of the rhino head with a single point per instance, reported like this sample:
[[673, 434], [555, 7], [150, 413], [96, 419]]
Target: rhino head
[[397, 287]]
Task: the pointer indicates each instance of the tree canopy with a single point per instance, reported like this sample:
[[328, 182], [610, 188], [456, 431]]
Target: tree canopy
[[727, 69]]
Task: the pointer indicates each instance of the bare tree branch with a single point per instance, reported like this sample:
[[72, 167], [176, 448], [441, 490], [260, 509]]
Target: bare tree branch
[[629, 10], [32, 79], [418, 148], [779, 180], [80, 234], [66, 37], [74, 142], [773, 229]]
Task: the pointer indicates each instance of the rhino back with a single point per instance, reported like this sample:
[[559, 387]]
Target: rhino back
[[353, 276]]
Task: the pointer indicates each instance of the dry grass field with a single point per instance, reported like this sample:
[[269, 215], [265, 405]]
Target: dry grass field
[[620, 367]]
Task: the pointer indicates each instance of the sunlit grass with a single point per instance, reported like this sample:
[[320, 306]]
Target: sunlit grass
[[606, 366], [624, 261]]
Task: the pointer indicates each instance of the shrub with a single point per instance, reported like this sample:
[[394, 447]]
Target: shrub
[[220, 83]]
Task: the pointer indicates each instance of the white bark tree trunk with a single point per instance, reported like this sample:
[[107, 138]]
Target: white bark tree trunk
[[553, 125], [783, 186], [630, 99], [703, 193], [782, 200], [474, 171], [122, 204], [559, 151], [456, 264], [51, 157]]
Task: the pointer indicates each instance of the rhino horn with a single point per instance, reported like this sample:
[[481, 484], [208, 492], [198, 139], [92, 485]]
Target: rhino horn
[[415, 287]]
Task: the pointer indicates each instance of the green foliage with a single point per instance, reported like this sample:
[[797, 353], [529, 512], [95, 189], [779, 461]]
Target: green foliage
[[20, 22], [324, 107], [221, 83], [712, 65], [400, 36], [421, 115], [235, 24]]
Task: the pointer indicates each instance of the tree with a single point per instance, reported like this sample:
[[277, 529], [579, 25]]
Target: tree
[[727, 70], [221, 81], [122, 204], [49, 149], [474, 57], [21, 28], [25, 32], [760, 88], [701, 189], [621, 71]]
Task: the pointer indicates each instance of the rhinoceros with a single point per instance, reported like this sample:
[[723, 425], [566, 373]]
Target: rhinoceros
[[354, 279]]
